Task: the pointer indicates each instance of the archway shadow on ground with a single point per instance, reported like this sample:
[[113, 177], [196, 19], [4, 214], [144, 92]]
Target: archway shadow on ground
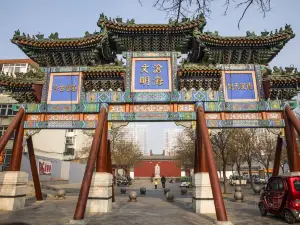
[[15, 223], [32, 200], [187, 206]]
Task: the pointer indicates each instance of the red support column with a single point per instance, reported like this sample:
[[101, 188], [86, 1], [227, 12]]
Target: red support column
[[16, 156], [12, 126], [276, 165], [213, 176], [203, 167], [293, 119], [109, 168], [292, 151], [34, 172], [89, 170], [101, 165]]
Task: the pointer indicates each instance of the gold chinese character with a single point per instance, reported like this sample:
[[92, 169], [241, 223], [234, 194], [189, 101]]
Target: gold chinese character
[[229, 86], [249, 86], [145, 80], [157, 68], [243, 86], [74, 88], [61, 88], [158, 80], [68, 88], [144, 68], [236, 86], [56, 87]]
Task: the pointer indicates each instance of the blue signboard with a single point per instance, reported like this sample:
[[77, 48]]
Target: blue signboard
[[151, 75], [240, 86], [64, 89]]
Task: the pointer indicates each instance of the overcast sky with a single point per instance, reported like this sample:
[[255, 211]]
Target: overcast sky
[[71, 18]]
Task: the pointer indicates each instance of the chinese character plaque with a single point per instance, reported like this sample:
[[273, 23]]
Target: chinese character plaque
[[64, 88], [239, 86], [151, 75]]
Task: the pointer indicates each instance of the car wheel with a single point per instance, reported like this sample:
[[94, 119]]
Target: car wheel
[[289, 218], [262, 209]]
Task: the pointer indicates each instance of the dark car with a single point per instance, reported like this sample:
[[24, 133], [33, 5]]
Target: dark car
[[282, 197]]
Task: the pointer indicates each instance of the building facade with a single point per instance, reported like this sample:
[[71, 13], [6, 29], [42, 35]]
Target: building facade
[[171, 140], [13, 66], [138, 134], [10, 67]]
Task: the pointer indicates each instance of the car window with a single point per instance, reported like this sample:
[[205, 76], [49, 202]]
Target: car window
[[273, 185], [280, 185], [297, 185]]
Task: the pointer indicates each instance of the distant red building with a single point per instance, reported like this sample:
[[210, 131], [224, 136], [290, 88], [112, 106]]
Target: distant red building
[[169, 166]]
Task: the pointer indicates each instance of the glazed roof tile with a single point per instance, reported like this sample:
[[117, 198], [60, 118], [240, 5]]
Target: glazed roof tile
[[58, 43], [130, 26], [253, 40]]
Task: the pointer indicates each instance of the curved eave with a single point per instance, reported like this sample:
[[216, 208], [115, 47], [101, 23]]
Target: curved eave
[[84, 42], [259, 41], [178, 28]]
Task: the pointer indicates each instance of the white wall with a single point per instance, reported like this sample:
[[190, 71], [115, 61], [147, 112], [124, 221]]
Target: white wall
[[51, 143]]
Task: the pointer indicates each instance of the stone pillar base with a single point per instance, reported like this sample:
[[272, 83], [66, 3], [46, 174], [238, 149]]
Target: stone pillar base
[[100, 196], [13, 185], [203, 202]]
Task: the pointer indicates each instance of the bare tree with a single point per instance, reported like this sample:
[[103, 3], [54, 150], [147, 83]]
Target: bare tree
[[189, 8], [237, 149], [221, 147], [185, 148], [265, 151], [126, 153]]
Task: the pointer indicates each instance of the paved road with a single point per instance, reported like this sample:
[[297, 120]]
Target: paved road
[[150, 209]]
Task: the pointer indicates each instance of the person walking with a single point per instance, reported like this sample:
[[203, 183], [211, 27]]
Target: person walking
[[155, 183], [163, 181]]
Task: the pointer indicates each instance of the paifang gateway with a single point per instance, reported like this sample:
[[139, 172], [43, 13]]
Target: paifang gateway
[[228, 76]]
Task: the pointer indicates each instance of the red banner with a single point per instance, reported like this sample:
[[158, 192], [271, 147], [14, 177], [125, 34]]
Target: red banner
[[45, 167]]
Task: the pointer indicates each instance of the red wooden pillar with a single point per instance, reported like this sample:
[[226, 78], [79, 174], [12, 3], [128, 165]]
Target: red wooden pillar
[[213, 176], [89, 170], [203, 167], [277, 156], [293, 119], [11, 128], [292, 151], [16, 156], [101, 165], [34, 172]]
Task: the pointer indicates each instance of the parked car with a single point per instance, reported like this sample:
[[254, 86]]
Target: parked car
[[281, 196], [122, 181], [259, 180], [237, 180], [186, 182]]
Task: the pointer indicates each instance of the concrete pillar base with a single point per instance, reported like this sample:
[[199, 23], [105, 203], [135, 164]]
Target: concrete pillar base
[[203, 202], [78, 222], [222, 222], [13, 185], [100, 196]]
